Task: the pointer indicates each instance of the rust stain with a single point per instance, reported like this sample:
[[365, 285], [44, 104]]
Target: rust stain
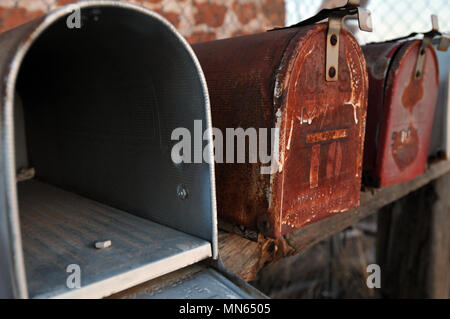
[[413, 93], [326, 136], [338, 159], [330, 160], [314, 170], [405, 147], [272, 250]]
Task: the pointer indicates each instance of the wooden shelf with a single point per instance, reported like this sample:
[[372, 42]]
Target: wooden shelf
[[60, 228], [246, 257]]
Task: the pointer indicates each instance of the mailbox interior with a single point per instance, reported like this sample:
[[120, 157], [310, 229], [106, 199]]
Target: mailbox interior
[[94, 111]]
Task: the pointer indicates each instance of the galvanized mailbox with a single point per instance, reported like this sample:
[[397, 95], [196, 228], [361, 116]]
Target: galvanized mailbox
[[89, 96], [308, 85], [440, 137], [404, 81]]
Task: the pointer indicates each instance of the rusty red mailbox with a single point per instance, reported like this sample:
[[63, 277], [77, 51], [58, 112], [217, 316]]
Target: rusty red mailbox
[[308, 84], [403, 87]]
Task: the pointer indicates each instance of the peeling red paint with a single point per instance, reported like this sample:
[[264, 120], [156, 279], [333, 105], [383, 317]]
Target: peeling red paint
[[413, 93], [405, 147], [400, 112]]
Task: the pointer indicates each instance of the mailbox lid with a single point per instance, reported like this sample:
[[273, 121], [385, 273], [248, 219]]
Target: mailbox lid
[[409, 104], [198, 281], [322, 135]]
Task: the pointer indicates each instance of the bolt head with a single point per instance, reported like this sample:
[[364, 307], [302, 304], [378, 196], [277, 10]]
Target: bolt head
[[333, 40], [332, 72], [182, 192]]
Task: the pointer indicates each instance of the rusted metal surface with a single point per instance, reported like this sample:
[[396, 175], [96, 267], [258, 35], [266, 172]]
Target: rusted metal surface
[[277, 79], [400, 111]]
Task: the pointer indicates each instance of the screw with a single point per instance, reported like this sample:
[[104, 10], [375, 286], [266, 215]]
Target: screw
[[333, 40], [182, 192], [332, 72]]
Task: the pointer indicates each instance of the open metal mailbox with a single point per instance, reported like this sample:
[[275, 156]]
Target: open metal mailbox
[[86, 116]]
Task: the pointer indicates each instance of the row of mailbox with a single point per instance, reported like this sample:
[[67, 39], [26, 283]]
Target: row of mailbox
[[92, 111]]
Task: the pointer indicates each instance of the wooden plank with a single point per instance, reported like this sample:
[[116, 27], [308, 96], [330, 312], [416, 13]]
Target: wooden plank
[[414, 243], [246, 258], [60, 228]]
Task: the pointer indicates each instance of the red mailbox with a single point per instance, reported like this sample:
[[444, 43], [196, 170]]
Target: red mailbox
[[309, 81], [403, 87]]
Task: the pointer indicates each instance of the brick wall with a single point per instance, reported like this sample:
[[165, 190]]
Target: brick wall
[[197, 20]]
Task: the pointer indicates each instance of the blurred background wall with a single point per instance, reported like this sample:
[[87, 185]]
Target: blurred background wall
[[204, 20], [197, 20]]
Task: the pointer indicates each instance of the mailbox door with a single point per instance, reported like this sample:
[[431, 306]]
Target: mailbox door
[[409, 104], [322, 134]]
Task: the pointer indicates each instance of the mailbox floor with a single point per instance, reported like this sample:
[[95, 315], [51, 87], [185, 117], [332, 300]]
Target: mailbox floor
[[59, 232]]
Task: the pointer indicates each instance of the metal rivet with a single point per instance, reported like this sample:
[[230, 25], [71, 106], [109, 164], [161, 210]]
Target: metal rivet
[[332, 72], [182, 192], [333, 39]]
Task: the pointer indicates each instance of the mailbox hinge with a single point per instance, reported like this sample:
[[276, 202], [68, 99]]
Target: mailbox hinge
[[335, 20], [335, 17], [427, 39]]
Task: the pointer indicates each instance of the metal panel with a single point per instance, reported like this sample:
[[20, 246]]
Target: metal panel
[[401, 121], [100, 103], [277, 79], [193, 282], [60, 228], [440, 138]]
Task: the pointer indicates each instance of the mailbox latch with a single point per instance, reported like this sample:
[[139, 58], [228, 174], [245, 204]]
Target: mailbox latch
[[335, 19], [427, 38]]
